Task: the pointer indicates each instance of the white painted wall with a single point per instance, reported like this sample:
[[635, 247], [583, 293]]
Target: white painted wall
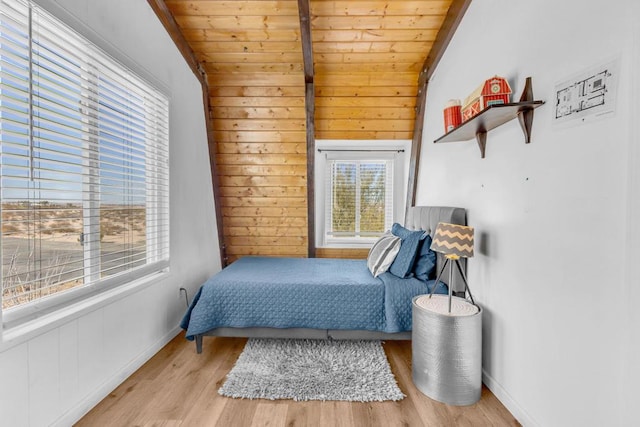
[[631, 367], [552, 217], [60, 372]]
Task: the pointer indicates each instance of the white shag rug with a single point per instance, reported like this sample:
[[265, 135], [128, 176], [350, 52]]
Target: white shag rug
[[356, 371]]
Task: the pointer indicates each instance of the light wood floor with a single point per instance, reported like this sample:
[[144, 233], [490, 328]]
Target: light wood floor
[[178, 387]]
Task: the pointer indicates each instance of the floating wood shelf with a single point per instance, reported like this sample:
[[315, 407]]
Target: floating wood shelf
[[494, 116]]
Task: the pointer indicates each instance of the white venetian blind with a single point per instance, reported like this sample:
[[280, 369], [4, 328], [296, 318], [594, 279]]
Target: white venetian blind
[[359, 197], [83, 162]]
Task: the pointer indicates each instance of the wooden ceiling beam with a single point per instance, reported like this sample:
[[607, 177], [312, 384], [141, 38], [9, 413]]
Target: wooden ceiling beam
[[168, 21], [416, 142], [305, 35], [171, 26], [447, 30], [307, 55]]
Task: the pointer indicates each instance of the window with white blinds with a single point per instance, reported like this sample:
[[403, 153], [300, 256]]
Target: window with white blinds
[[84, 163], [358, 198]]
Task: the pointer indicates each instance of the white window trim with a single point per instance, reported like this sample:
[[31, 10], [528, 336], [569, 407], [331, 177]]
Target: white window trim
[[21, 323], [401, 177]]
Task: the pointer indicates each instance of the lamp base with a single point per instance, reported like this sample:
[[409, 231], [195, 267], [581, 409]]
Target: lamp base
[[451, 258]]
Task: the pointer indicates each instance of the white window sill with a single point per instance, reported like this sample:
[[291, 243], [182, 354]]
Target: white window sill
[[13, 335]]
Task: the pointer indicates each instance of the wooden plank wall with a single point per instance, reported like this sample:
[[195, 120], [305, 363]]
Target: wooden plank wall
[[368, 58], [252, 55], [367, 54], [262, 169]]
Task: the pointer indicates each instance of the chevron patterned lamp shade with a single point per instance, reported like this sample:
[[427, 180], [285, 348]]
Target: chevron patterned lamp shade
[[453, 240]]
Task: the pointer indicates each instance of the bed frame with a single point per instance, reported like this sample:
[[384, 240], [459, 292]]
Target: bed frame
[[418, 218]]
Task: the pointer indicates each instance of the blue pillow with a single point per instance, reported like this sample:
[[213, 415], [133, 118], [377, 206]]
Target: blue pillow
[[403, 264], [425, 266]]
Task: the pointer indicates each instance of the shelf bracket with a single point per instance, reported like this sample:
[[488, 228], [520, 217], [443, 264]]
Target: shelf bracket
[[481, 137], [525, 117]]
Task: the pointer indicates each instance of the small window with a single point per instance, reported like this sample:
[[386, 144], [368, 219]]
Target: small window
[[359, 199], [358, 195], [83, 165]]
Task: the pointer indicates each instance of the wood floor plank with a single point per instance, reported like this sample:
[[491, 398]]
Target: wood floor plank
[[304, 414], [209, 413], [179, 387], [363, 415], [163, 423], [270, 414], [208, 408], [184, 381], [387, 415], [337, 414], [402, 413], [238, 412]]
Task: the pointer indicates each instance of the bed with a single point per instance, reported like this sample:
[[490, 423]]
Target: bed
[[314, 298]]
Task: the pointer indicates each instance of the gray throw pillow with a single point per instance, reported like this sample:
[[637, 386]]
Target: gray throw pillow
[[382, 254]]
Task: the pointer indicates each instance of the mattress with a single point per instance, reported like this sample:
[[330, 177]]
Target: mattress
[[303, 293]]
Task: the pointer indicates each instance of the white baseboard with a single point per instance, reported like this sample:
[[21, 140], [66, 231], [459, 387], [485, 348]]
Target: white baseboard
[[83, 406], [505, 398]]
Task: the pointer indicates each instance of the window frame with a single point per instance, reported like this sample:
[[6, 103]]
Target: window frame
[[135, 277], [359, 150]]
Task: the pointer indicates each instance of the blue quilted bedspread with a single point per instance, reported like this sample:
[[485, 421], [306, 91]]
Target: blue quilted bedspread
[[303, 293]]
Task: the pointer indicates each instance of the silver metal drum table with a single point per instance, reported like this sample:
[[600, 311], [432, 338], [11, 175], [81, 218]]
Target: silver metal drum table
[[447, 349]]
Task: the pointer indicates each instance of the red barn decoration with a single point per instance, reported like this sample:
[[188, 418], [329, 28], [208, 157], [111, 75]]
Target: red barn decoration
[[493, 91]]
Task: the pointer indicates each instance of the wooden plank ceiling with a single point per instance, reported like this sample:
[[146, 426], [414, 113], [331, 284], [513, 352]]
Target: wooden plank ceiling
[[367, 58]]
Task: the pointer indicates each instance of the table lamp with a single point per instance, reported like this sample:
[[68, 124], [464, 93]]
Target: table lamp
[[454, 242]]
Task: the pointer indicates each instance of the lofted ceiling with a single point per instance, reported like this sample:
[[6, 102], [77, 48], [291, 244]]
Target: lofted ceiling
[[367, 58]]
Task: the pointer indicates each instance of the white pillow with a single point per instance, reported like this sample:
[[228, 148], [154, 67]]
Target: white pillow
[[382, 253]]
